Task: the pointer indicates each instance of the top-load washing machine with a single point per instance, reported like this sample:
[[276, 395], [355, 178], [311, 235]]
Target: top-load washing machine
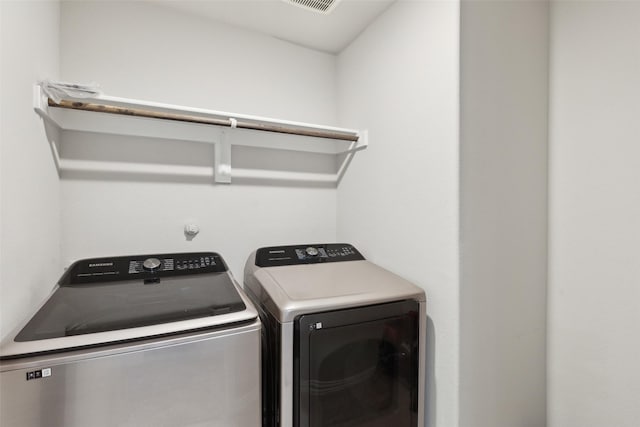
[[344, 339], [149, 340]]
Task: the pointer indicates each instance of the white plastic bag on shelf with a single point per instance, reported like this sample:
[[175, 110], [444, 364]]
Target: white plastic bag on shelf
[[60, 90]]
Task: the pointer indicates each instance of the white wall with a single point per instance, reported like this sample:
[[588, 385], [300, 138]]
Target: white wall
[[141, 50], [29, 185], [398, 201], [594, 292], [503, 213]]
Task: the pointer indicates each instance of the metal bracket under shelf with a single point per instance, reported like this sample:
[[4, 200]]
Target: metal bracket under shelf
[[222, 160]]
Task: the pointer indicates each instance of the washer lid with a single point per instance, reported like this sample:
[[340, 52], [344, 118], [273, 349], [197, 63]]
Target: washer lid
[[93, 309]]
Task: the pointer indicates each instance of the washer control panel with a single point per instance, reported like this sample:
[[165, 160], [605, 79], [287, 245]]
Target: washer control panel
[[97, 270], [174, 263], [306, 254]]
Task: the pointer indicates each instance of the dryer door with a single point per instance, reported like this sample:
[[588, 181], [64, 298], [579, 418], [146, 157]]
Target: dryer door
[[357, 367]]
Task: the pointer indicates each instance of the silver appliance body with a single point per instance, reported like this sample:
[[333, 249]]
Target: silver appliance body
[[304, 291], [190, 362]]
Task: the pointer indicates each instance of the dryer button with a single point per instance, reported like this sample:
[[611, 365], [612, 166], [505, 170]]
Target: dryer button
[[311, 251]]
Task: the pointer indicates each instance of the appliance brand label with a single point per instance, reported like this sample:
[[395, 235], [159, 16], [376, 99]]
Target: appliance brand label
[[101, 264], [315, 326], [40, 373]]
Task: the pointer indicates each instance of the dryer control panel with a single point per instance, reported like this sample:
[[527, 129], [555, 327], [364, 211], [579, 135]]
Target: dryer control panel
[[306, 254]]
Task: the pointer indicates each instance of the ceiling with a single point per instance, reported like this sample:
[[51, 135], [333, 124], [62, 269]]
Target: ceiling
[[329, 33]]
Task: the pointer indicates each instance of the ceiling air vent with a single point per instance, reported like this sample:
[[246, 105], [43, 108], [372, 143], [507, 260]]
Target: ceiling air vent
[[320, 6]]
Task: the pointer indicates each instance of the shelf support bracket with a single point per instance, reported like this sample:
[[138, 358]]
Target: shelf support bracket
[[222, 160]]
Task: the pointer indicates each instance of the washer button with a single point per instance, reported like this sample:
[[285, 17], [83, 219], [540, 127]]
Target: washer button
[[151, 264]]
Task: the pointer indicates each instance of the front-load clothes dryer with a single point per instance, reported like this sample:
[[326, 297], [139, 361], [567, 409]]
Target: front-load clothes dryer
[[344, 339], [149, 340]]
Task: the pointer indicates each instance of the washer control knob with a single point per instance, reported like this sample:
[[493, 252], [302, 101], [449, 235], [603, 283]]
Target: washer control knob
[[151, 264], [311, 251]]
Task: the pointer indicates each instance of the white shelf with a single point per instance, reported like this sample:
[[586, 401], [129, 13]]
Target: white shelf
[[312, 138]]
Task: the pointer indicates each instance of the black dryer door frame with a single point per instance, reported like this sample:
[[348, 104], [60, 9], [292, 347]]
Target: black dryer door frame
[[305, 326]]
